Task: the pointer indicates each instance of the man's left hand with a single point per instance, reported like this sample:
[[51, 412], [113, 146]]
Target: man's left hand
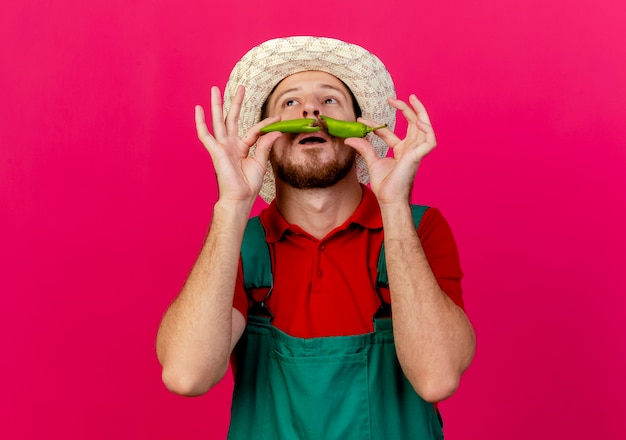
[[391, 178]]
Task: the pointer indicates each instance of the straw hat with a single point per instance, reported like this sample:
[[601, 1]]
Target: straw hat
[[264, 66]]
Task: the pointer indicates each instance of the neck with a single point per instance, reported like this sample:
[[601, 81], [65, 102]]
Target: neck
[[318, 211]]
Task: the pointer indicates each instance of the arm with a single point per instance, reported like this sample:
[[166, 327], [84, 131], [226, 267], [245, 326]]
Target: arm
[[434, 339], [201, 327]]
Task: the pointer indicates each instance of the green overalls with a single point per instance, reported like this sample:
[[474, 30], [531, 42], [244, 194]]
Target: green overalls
[[342, 387]]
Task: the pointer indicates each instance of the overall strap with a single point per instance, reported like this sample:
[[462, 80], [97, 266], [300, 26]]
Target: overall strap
[[417, 211], [384, 311], [257, 265], [255, 256]]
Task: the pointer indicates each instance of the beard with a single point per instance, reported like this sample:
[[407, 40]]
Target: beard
[[310, 174]]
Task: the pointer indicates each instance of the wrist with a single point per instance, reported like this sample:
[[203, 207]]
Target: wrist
[[397, 208], [233, 211], [397, 220]]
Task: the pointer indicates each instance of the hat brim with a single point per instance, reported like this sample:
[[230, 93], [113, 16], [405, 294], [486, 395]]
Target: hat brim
[[264, 66]]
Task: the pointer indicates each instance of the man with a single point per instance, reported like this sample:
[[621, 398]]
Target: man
[[312, 355]]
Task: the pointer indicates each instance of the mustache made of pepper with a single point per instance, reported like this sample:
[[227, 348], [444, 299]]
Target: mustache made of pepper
[[334, 127]]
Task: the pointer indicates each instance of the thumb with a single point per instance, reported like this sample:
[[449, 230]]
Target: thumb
[[364, 148], [264, 146]]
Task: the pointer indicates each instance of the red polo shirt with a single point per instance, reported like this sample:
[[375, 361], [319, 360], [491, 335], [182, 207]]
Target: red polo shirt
[[327, 287]]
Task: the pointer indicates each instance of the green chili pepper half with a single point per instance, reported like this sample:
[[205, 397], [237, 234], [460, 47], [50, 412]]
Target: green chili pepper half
[[347, 129], [304, 125]]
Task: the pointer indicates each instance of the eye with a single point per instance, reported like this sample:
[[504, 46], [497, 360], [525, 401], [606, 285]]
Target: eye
[[330, 101], [290, 103]]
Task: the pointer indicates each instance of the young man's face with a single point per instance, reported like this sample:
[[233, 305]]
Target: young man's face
[[311, 160]]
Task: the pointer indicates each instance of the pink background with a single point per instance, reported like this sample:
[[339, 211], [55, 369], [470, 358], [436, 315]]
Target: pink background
[[106, 194]]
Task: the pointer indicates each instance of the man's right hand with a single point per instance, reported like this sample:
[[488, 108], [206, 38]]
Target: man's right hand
[[239, 176]]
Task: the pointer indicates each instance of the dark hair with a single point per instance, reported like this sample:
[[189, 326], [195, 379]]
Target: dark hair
[[355, 105]]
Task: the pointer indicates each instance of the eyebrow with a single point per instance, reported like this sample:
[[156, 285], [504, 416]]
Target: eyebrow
[[323, 86]]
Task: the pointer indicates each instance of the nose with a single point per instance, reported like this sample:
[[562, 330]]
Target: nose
[[312, 113], [310, 109]]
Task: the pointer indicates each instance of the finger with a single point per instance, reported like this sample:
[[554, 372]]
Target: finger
[[201, 127], [251, 136], [386, 134], [264, 146], [419, 127], [267, 121], [420, 110], [407, 111], [370, 123], [364, 148], [428, 133], [217, 113], [423, 122], [232, 118], [427, 141]]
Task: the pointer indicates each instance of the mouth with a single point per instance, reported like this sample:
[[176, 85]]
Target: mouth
[[311, 139]]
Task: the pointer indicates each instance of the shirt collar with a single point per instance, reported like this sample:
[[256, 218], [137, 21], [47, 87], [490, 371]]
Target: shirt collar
[[367, 215]]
